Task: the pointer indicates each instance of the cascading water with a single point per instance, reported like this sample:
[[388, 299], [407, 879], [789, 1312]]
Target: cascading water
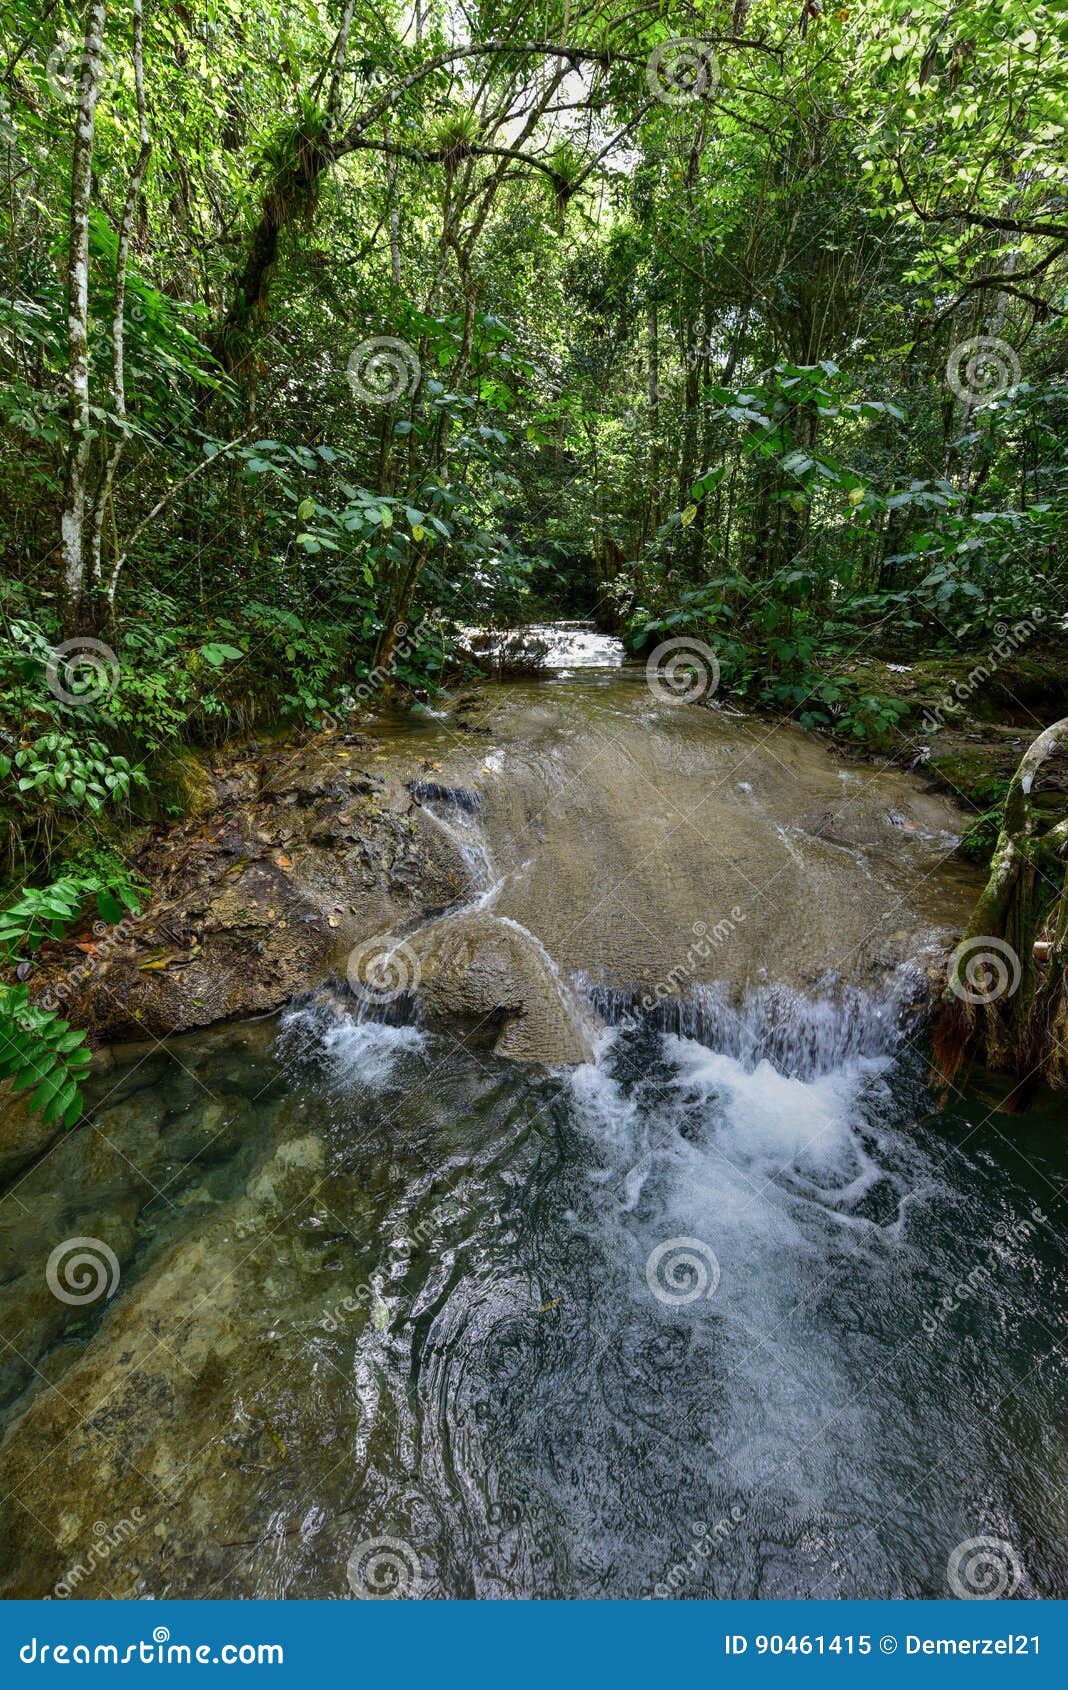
[[735, 1308], [673, 1326]]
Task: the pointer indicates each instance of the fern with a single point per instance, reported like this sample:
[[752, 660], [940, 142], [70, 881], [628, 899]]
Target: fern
[[39, 1049]]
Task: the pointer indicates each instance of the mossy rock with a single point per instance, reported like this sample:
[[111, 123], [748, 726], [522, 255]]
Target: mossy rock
[[180, 784]]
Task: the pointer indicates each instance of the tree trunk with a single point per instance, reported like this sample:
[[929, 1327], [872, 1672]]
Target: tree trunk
[[73, 594], [1005, 999], [118, 324]]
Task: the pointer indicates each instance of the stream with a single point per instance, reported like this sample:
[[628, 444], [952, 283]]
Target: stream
[[735, 1307]]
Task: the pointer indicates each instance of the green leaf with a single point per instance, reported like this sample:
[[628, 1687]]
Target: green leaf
[[217, 654], [109, 906]]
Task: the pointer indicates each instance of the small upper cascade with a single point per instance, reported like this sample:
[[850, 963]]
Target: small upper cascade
[[801, 1036]]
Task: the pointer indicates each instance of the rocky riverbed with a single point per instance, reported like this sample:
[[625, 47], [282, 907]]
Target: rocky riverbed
[[562, 970], [531, 845]]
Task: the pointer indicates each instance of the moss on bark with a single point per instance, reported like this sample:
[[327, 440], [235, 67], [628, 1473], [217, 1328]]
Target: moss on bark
[[1004, 1001]]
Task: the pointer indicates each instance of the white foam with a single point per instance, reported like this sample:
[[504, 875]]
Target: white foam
[[774, 1157], [771, 1117], [600, 1103], [356, 1054]]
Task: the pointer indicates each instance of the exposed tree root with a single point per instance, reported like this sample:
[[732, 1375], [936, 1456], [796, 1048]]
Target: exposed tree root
[[1005, 1002]]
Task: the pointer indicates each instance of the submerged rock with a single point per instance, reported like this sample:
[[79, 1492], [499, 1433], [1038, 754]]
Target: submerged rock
[[23, 1134]]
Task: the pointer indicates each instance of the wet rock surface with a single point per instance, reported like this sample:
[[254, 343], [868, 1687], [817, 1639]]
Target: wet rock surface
[[645, 843], [481, 969], [306, 852], [634, 842]]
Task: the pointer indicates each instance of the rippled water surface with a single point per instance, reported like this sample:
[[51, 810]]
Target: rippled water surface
[[378, 1284], [736, 1309]]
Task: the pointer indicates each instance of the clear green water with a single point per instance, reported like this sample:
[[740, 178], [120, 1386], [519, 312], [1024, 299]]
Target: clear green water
[[377, 1284]]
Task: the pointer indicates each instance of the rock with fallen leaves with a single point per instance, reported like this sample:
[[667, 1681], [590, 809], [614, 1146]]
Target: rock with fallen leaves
[[303, 855]]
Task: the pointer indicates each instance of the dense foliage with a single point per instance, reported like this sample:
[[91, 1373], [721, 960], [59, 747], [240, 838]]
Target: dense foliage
[[329, 329]]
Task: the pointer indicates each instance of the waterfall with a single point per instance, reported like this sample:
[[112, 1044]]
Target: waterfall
[[800, 1036]]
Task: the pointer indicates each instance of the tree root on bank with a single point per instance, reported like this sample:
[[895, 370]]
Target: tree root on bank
[[1005, 1001]]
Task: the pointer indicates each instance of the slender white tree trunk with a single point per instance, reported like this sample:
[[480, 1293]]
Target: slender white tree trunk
[[333, 99], [118, 325], [72, 522]]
